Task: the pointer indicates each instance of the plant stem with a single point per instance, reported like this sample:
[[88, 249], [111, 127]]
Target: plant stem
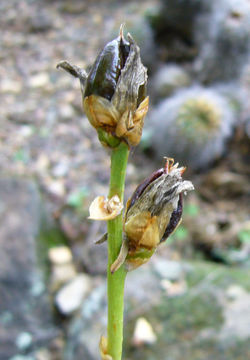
[[116, 281]]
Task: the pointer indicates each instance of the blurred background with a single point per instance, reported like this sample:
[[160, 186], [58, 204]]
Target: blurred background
[[192, 299]]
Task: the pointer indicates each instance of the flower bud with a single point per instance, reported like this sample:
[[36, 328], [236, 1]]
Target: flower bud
[[152, 213], [114, 92]]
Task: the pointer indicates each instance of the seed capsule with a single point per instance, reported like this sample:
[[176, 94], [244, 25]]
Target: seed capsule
[[152, 214], [114, 92]]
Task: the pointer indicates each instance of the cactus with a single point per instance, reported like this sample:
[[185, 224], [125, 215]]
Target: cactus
[[223, 39], [167, 80], [196, 123]]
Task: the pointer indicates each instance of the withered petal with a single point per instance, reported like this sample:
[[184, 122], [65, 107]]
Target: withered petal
[[105, 209]]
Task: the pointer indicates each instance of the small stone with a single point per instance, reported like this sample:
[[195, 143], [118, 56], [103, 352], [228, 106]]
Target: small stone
[[60, 255], [42, 354], [60, 170], [69, 298], [61, 274], [57, 188], [235, 291], [40, 21], [174, 288], [143, 333], [170, 270], [24, 341], [26, 131], [42, 163], [22, 357], [37, 288], [66, 112], [39, 80], [10, 86]]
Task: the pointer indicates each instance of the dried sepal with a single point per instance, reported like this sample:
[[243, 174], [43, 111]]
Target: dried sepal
[[105, 209], [100, 112], [130, 125], [103, 347]]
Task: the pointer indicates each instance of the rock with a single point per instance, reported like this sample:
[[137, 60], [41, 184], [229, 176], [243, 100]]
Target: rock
[[73, 7], [61, 274], [10, 86], [200, 323], [63, 270], [85, 330], [24, 341], [70, 297], [197, 122], [56, 188], [235, 291], [39, 80], [140, 285], [237, 319], [39, 22], [173, 289], [167, 269], [60, 255], [167, 80], [143, 333], [23, 113], [26, 317], [26, 131], [43, 354], [22, 357], [66, 112], [92, 256], [61, 169]]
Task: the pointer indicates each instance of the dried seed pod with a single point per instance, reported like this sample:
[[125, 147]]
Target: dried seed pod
[[114, 92], [152, 214]]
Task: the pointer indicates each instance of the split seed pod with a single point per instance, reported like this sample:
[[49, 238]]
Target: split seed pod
[[152, 213], [114, 92]]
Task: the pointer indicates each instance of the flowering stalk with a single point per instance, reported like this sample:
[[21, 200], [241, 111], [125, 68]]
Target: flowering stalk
[[115, 102], [116, 281]]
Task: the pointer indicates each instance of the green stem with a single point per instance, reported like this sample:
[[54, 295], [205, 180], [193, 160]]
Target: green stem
[[116, 281]]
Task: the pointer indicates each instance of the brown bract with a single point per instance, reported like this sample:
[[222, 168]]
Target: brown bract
[[105, 209]]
